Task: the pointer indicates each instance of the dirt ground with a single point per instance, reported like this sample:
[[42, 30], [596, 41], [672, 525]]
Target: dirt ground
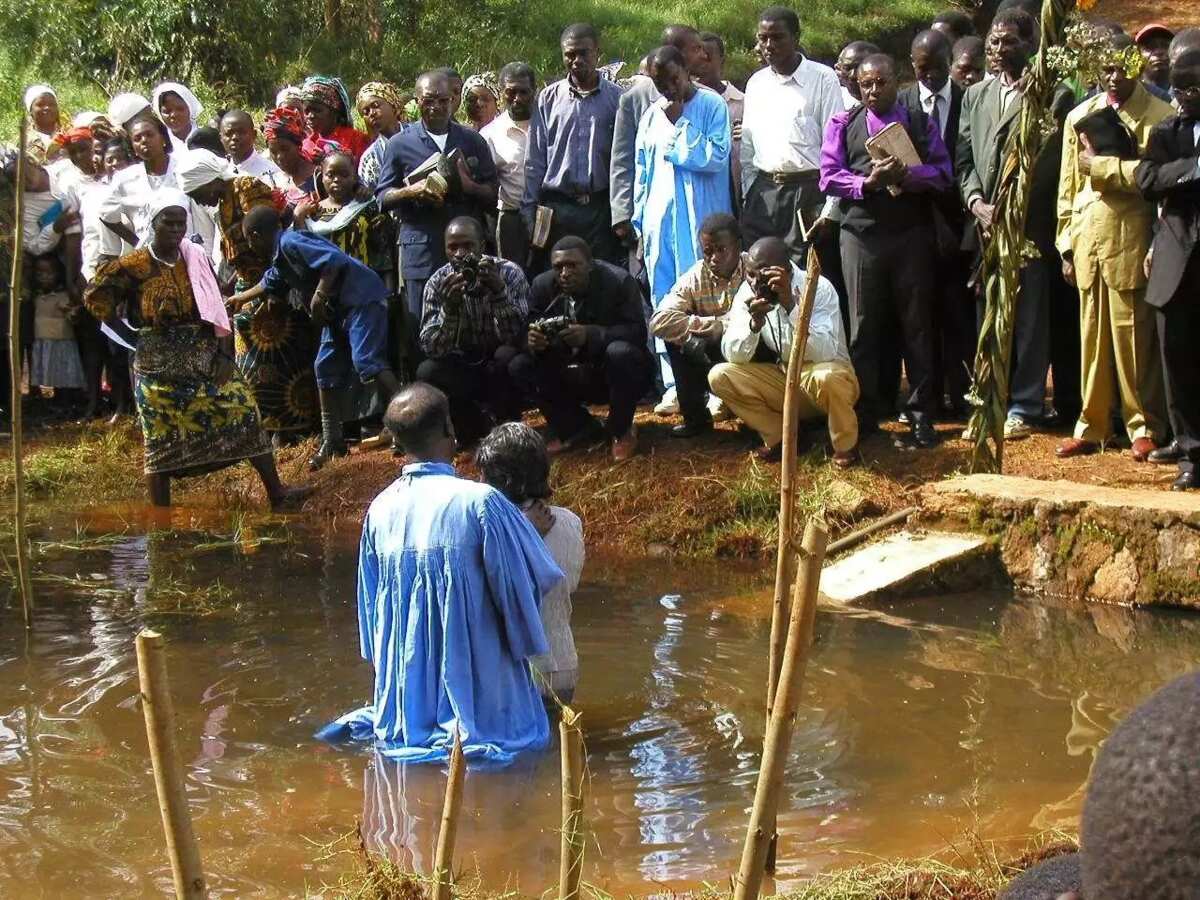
[[1133, 14]]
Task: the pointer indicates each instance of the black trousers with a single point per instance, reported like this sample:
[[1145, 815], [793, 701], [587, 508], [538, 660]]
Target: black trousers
[[512, 237], [1065, 351], [479, 390], [1178, 331], [619, 375], [691, 379], [591, 221], [955, 337], [890, 279]]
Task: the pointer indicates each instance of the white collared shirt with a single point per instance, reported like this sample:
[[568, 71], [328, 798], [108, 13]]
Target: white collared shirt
[[508, 140], [849, 101], [258, 166], [785, 118], [942, 98]]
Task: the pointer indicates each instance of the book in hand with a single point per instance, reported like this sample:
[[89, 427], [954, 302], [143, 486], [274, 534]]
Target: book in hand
[[1107, 135], [893, 140], [542, 219], [440, 170]]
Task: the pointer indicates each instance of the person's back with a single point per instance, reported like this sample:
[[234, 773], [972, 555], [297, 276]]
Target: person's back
[[560, 667]]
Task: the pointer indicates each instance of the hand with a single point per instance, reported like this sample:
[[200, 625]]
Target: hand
[[1086, 155], [66, 220], [489, 276], [422, 192], [780, 280], [464, 175], [318, 310], [984, 213], [1148, 262], [818, 228], [536, 340], [303, 210], [885, 173], [737, 130], [759, 308], [574, 335], [1068, 270], [455, 290], [623, 230], [540, 516]]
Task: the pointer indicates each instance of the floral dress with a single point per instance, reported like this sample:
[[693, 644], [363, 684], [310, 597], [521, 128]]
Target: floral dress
[[190, 423]]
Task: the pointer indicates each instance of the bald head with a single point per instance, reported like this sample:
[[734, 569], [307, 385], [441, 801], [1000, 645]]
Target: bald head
[[686, 40], [1187, 39], [931, 41], [767, 252], [466, 225], [419, 418], [931, 58]]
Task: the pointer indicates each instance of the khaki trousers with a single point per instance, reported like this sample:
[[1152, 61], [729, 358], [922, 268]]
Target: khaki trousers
[[1120, 359], [754, 391]]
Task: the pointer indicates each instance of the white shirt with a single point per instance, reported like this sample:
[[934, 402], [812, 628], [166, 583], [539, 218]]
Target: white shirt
[[261, 168], [37, 239], [848, 99], [564, 541], [942, 98], [826, 339], [128, 202], [439, 139], [508, 140], [785, 118], [86, 195]]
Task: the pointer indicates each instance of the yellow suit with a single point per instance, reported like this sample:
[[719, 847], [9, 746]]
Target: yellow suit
[[1104, 228]]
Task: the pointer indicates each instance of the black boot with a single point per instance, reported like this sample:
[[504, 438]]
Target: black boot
[[332, 442]]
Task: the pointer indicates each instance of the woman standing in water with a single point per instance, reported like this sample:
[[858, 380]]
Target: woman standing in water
[[197, 413]]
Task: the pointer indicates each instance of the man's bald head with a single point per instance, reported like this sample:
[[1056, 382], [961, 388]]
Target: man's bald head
[[932, 41], [1186, 39], [237, 117], [679, 36], [434, 80], [769, 251], [879, 63], [419, 418], [467, 226]]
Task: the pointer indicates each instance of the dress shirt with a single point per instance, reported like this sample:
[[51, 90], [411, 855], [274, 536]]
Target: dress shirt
[[258, 166], [839, 180], [849, 101], [508, 139], [785, 118], [826, 340], [697, 304], [942, 98], [481, 322], [570, 140]]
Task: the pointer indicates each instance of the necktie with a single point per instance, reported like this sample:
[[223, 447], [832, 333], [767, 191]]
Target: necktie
[[936, 113]]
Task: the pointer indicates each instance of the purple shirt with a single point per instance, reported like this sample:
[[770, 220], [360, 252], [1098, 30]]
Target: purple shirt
[[839, 180]]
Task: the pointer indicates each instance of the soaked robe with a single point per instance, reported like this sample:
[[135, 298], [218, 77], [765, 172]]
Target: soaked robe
[[450, 579]]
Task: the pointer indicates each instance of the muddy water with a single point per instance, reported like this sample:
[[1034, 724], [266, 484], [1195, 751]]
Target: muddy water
[[924, 719]]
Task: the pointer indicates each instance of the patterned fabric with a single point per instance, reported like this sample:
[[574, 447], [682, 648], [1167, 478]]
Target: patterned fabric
[[481, 322], [370, 237], [331, 92], [284, 123], [696, 304], [276, 345], [385, 91], [242, 194], [485, 80]]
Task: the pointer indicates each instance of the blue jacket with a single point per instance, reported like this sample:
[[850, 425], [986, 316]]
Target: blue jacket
[[301, 258]]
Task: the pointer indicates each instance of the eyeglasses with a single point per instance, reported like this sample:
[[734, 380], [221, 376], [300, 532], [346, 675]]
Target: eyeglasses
[[1187, 93]]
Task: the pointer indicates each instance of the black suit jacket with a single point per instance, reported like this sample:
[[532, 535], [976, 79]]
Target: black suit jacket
[[1170, 175], [911, 98], [949, 202]]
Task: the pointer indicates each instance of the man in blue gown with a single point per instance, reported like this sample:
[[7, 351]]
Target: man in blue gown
[[450, 578]]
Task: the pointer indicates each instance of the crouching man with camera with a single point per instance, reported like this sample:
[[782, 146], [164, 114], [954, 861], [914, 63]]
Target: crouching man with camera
[[586, 344], [472, 324], [757, 341]]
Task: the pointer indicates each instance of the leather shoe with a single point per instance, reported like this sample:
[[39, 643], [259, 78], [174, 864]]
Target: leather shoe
[[1075, 447], [770, 454], [1142, 448], [845, 459], [327, 451], [585, 437], [1186, 481], [692, 429], [921, 436], [1168, 455], [625, 446]]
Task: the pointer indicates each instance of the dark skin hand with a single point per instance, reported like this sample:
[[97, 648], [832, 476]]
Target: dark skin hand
[[489, 278], [572, 336], [885, 173], [780, 280]]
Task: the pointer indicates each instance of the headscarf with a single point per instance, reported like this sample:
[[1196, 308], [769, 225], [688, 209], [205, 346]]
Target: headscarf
[[36, 90], [124, 107], [165, 198], [485, 80], [68, 136], [200, 167], [331, 92], [88, 118], [195, 107], [289, 94], [385, 91], [205, 291], [315, 148], [284, 122]]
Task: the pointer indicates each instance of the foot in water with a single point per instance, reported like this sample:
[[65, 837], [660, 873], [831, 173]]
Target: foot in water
[[291, 498]]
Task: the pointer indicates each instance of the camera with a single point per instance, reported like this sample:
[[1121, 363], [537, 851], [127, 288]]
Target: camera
[[469, 267], [552, 328], [762, 287]]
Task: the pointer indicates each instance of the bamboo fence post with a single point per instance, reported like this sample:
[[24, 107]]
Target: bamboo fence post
[[443, 860], [760, 833], [785, 557], [570, 870], [24, 580], [168, 773]]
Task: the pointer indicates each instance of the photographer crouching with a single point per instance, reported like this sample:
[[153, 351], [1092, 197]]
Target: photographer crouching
[[472, 323], [757, 341], [586, 343]]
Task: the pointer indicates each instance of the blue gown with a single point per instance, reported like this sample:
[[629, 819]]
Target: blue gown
[[450, 579]]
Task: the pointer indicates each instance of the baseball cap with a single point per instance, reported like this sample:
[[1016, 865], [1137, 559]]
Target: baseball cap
[[1154, 28]]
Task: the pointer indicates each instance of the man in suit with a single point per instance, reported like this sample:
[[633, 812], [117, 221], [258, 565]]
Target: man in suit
[[424, 210], [1170, 176], [1104, 229]]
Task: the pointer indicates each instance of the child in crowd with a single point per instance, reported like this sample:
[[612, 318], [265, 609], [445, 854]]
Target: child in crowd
[[55, 361]]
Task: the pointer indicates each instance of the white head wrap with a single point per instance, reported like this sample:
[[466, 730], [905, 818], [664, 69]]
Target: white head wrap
[[36, 90], [288, 93], [87, 118], [195, 107], [199, 167], [165, 198], [124, 107]]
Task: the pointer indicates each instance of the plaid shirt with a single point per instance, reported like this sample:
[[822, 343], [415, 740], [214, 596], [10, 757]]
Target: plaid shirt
[[697, 304], [482, 322]]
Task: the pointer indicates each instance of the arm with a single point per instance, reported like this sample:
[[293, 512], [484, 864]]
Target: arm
[[1162, 174], [837, 180], [535, 161], [969, 183], [438, 319], [1113, 175], [108, 289], [747, 151], [673, 319], [703, 146], [368, 587], [1069, 182], [936, 173], [640, 188], [740, 340], [73, 247], [510, 308], [825, 339], [622, 164], [484, 183], [631, 319]]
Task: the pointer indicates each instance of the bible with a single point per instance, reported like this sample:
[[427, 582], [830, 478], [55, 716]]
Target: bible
[[893, 140]]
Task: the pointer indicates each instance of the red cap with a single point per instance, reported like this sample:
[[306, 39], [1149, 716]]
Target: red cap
[[1152, 29]]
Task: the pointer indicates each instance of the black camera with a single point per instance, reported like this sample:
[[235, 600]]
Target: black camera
[[762, 287], [551, 328], [468, 266]]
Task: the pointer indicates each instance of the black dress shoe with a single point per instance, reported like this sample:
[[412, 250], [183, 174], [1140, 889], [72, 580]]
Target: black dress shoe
[[1167, 455], [921, 436], [327, 451], [1186, 481], [692, 429]]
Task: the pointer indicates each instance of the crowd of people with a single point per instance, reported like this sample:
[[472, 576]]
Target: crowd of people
[[553, 241]]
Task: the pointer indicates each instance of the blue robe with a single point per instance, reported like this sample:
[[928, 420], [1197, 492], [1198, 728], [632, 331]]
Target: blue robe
[[681, 176], [450, 578]]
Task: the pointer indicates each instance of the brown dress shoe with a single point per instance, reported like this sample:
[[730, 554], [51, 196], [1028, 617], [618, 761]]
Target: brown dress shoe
[[625, 446], [772, 454], [845, 459], [1075, 447], [1142, 448]]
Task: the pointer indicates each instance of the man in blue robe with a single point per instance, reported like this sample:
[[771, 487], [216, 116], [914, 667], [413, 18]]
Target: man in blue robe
[[450, 579], [681, 175]]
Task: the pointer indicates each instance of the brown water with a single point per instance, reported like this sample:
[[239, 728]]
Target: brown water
[[928, 718]]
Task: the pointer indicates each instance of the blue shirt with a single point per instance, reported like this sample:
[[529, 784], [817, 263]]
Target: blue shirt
[[423, 225], [570, 140], [450, 579], [300, 260]]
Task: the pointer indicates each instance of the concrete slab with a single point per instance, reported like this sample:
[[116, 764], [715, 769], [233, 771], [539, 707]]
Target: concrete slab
[[900, 561]]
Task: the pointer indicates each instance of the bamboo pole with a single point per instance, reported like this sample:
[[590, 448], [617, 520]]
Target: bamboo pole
[[443, 860], [761, 831], [24, 581], [785, 556], [857, 537], [168, 773], [570, 869]]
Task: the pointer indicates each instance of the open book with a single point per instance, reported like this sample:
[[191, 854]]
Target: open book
[[893, 141], [440, 168]]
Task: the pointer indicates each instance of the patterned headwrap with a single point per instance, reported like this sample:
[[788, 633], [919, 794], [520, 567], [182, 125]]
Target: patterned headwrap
[[385, 91], [315, 148], [289, 94], [68, 136], [485, 80], [284, 122], [331, 92]]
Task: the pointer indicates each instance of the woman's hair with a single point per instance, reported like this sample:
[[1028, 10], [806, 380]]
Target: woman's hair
[[512, 459], [119, 142], [158, 123]]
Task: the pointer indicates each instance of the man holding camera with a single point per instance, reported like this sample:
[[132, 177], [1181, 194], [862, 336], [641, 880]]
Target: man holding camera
[[586, 344], [757, 342], [472, 320]]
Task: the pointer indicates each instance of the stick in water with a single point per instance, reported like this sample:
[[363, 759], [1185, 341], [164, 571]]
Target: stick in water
[[168, 773], [443, 860], [571, 858], [24, 583]]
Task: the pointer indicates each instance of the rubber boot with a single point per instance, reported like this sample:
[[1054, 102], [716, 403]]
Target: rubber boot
[[332, 442]]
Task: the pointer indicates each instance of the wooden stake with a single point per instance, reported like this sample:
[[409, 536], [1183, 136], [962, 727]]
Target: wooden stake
[[168, 773], [570, 869], [785, 556], [778, 739], [857, 537], [24, 582], [443, 860]]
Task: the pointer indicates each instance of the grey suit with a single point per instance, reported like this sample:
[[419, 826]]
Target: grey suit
[[634, 102]]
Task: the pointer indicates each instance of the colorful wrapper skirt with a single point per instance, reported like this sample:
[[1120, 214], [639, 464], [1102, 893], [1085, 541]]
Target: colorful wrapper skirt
[[276, 346]]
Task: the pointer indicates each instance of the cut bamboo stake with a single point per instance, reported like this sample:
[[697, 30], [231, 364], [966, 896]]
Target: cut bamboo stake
[[570, 870], [168, 773], [443, 860], [857, 537], [24, 582], [785, 557], [778, 739]]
